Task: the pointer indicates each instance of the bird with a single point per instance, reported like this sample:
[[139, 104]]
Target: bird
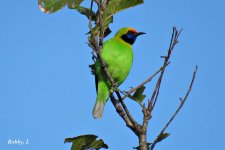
[[117, 53]]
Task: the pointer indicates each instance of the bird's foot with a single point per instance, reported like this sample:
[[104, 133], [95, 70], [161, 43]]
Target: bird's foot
[[114, 87]]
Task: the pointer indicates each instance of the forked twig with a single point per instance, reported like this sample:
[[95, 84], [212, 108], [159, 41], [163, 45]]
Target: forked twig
[[173, 42], [178, 109]]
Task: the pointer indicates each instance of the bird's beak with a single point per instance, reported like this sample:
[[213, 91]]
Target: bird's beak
[[140, 33]]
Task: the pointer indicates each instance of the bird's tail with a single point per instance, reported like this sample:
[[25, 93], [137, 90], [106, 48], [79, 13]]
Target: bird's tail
[[98, 109], [102, 97]]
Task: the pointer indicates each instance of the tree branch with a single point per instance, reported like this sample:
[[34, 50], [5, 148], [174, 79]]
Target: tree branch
[[127, 94], [173, 42], [151, 103], [178, 109], [136, 125]]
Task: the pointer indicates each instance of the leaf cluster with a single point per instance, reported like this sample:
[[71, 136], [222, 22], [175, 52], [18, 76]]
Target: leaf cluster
[[86, 142], [111, 8]]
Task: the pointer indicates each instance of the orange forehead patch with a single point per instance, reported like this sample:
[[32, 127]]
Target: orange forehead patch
[[132, 30]]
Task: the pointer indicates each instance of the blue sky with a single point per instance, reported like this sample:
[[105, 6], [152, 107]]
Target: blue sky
[[47, 92]]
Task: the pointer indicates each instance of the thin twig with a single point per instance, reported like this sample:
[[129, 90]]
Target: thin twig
[[90, 29], [173, 42], [178, 109], [127, 94], [100, 11], [151, 103], [90, 16]]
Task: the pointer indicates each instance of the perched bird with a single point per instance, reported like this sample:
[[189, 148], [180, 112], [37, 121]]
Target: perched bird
[[118, 56]]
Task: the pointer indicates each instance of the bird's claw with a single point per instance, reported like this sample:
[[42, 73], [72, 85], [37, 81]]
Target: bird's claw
[[115, 85]]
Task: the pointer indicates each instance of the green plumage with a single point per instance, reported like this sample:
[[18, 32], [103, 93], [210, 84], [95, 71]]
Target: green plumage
[[118, 56]]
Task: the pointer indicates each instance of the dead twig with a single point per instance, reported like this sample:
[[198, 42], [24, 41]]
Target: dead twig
[[178, 109], [173, 42]]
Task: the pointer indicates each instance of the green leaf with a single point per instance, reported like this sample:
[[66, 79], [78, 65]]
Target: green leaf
[[115, 6], [106, 28], [51, 6], [107, 32], [68, 140], [162, 137], [85, 142], [85, 11], [138, 95], [75, 4], [72, 4], [98, 144]]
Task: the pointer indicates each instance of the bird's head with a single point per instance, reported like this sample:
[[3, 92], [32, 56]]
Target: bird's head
[[129, 35]]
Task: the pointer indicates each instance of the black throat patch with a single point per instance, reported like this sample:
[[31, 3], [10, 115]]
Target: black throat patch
[[128, 40]]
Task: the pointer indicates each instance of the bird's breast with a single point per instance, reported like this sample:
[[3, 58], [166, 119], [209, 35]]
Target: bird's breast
[[119, 58]]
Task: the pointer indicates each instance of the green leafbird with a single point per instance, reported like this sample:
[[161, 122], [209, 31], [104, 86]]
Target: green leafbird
[[118, 55]]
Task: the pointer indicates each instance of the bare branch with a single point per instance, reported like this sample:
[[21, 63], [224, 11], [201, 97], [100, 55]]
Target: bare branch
[[173, 42], [90, 16], [178, 109]]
